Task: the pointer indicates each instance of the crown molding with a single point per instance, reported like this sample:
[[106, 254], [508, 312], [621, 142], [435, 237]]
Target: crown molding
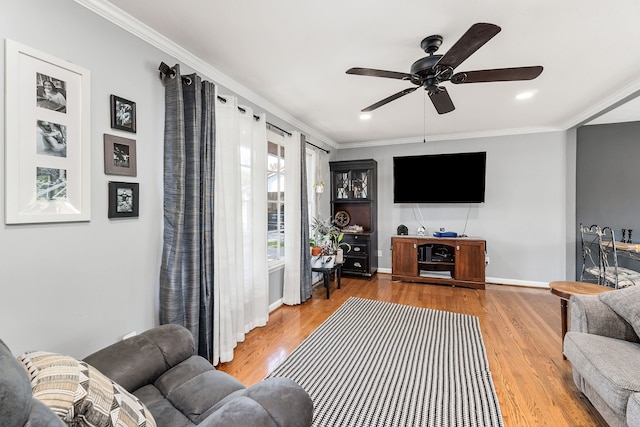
[[450, 137], [125, 21], [626, 93]]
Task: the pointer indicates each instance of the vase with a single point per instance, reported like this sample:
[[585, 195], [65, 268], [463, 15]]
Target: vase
[[339, 256]]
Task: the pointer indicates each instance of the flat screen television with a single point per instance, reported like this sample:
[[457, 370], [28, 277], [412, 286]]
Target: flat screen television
[[440, 178]]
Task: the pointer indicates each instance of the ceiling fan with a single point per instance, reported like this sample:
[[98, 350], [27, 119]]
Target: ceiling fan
[[430, 71]]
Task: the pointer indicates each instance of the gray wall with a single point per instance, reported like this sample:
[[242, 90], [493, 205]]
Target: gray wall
[[74, 287], [522, 219], [608, 178]]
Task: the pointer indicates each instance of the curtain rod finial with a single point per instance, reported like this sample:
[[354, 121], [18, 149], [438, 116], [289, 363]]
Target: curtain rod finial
[[165, 69]]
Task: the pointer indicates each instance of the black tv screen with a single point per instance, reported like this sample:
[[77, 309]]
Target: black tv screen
[[439, 178]]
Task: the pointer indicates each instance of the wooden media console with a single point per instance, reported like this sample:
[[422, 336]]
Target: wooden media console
[[458, 261]]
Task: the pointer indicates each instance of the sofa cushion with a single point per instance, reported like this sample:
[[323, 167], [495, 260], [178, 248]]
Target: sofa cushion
[[80, 394], [187, 396], [608, 364], [633, 410], [625, 302]]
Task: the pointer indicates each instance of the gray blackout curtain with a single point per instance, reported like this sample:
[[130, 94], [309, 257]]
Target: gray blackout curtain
[[186, 273], [305, 255]]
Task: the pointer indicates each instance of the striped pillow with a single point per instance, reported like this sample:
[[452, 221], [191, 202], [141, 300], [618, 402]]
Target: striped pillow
[[80, 395]]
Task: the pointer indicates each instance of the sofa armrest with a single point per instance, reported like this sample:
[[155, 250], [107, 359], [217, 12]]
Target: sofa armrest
[[592, 316], [18, 408], [141, 359]]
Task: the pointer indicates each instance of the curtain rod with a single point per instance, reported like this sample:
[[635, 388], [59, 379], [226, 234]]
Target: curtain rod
[[319, 148], [165, 69]]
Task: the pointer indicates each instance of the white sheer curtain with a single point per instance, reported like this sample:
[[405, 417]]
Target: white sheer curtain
[[292, 273], [240, 218]]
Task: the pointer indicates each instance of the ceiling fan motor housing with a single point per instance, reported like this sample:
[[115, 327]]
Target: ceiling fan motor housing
[[424, 66]]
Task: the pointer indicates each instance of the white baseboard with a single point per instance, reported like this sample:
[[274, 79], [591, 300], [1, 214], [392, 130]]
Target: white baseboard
[[498, 281], [515, 282], [275, 305]]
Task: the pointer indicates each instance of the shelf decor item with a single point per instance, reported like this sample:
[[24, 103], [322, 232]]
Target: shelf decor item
[[342, 218], [48, 138], [123, 114]]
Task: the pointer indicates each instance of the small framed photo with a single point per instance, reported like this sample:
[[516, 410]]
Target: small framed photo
[[123, 114], [123, 199], [119, 156]]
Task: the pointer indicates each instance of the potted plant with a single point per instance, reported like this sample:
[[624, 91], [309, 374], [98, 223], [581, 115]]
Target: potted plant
[[321, 229], [315, 250], [336, 237], [329, 237]]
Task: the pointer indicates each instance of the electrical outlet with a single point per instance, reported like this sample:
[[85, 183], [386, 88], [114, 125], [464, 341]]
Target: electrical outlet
[[441, 228], [486, 260], [379, 253]]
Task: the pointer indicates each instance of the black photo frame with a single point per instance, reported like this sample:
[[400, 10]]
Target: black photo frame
[[123, 199], [123, 114]]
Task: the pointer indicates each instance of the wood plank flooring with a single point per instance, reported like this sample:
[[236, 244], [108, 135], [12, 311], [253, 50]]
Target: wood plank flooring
[[520, 327]]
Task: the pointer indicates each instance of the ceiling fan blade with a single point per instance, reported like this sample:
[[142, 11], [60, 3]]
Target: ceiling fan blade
[[472, 40], [441, 100], [389, 99], [379, 73], [497, 75]]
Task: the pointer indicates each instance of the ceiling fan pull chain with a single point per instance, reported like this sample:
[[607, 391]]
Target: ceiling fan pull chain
[[424, 117]]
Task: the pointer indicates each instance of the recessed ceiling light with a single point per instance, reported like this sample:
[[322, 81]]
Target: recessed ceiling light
[[526, 95], [365, 116]]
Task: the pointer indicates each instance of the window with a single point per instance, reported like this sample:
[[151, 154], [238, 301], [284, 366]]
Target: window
[[275, 199]]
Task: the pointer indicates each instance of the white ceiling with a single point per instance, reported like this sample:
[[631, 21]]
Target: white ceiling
[[290, 57]]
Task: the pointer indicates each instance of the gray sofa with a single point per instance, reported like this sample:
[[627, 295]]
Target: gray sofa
[[604, 350], [160, 368]]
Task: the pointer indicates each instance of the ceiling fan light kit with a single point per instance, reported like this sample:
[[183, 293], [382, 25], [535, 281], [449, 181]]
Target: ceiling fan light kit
[[434, 69]]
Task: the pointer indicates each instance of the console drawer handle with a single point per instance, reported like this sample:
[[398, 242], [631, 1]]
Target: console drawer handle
[[356, 249], [357, 264]]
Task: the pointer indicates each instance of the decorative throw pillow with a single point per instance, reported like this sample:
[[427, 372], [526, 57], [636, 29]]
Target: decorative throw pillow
[[81, 395], [626, 303]]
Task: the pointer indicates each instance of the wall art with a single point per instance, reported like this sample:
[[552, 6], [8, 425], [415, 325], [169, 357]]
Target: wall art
[[123, 199], [47, 144], [123, 114], [119, 156]]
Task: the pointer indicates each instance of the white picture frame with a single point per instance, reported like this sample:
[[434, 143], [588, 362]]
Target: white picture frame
[[47, 138]]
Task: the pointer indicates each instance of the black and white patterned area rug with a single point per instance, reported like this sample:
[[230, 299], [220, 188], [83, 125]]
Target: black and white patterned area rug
[[374, 363]]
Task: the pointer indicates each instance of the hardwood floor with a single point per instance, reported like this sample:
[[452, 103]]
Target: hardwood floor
[[520, 327]]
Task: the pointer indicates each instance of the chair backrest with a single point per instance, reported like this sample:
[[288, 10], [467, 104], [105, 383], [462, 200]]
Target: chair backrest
[[592, 262], [609, 251]]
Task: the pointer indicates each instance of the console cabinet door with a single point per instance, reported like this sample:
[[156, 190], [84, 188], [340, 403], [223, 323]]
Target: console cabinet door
[[470, 261], [404, 257]]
